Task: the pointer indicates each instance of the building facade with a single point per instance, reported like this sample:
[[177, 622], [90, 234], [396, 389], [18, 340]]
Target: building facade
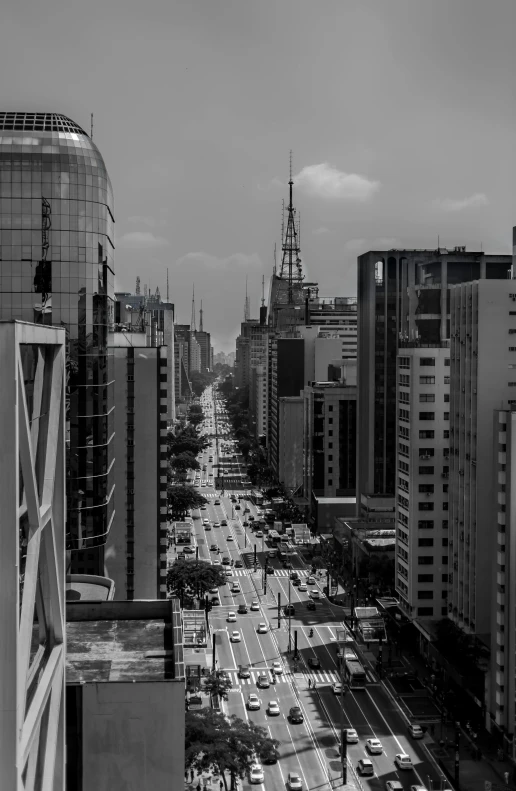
[[422, 480], [57, 267], [135, 556], [402, 295], [285, 379], [290, 442], [483, 378]]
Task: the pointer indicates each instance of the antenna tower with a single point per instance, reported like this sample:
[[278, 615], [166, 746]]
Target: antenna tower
[[91, 127], [201, 328], [138, 284], [263, 291], [247, 311], [167, 285], [291, 262], [274, 265], [193, 326]]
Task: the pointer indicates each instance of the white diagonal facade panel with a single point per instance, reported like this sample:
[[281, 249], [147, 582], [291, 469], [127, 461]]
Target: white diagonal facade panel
[[32, 557]]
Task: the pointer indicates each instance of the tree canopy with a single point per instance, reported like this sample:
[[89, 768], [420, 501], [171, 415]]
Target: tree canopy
[[217, 684], [214, 742], [186, 441], [193, 577], [181, 498]]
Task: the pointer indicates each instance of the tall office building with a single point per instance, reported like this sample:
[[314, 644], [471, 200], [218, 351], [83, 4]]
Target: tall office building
[[402, 295], [285, 380], [56, 267], [203, 339], [422, 480]]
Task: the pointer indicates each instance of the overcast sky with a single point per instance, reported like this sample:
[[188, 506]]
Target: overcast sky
[[401, 115]]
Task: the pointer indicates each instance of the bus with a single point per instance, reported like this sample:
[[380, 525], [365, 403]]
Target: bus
[[354, 674], [182, 532], [274, 538]]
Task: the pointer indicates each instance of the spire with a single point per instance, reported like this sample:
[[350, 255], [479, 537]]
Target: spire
[[263, 290], [167, 285], [193, 326], [247, 312], [137, 285], [291, 262], [201, 329]]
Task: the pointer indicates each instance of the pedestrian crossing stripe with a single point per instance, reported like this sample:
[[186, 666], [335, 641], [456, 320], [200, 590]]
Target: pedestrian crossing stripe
[[320, 677]]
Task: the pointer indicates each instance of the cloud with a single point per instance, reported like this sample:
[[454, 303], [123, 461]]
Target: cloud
[[141, 239], [151, 222], [322, 229], [235, 261], [324, 181], [454, 204]]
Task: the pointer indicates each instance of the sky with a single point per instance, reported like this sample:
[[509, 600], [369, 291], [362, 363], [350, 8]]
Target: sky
[[401, 117]]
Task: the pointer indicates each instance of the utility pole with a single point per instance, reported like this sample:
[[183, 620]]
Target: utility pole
[[279, 609], [289, 617]]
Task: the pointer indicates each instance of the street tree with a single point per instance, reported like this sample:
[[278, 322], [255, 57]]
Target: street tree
[[183, 462], [224, 745], [189, 578], [218, 685], [181, 498]]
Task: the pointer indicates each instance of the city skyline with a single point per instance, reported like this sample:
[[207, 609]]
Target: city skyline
[[388, 149]]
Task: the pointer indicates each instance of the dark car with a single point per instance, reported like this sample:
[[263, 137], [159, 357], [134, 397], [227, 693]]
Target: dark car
[[296, 582], [270, 570], [294, 575], [310, 605], [244, 672], [296, 715], [314, 661], [270, 756], [289, 609], [214, 548], [226, 561], [238, 564], [242, 609]]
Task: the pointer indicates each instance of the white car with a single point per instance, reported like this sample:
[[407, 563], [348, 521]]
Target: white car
[[255, 606], [315, 594], [273, 708], [416, 731], [235, 588], [302, 587], [365, 766], [235, 637], [230, 538], [337, 688], [403, 761], [259, 534], [216, 524], [231, 617], [294, 782], [277, 668], [206, 521], [393, 785], [351, 736], [262, 627], [374, 746], [229, 573], [253, 702], [256, 774]]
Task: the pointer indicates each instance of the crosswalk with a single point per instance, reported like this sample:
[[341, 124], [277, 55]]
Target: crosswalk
[[322, 678]]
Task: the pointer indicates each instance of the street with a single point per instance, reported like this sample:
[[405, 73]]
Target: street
[[310, 748]]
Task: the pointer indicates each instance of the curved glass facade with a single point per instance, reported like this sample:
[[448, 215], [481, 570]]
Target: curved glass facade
[[56, 267]]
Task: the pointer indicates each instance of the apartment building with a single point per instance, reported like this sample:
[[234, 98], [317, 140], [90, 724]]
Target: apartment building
[[290, 445], [135, 556], [502, 689], [422, 479], [285, 379], [483, 378]]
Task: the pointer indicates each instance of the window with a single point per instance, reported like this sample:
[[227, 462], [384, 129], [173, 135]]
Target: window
[[404, 362], [330, 469], [425, 594], [425, 610], [403, 466], [425, 577], [445, 506], [512, 332], [426, 453], [430, 361], [425, 524], [330, 433], [425, 506], [426, 434], [330, 482], [403, 449], [444, 560], [426, 470], [427, 415], [330, 408], [445, 542], [425, 560], [446, 398], [425, 542], [330, 444], [330, 457], [447, 362], [427, 380], [426, 488], [445, 524], [404, 398], [404, 414], [444, 578], [427, 398], [445, 488], [446, 434], [446, 415], [446, 380]]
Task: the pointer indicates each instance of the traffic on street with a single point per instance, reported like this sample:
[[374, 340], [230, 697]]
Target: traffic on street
[[276, 640]]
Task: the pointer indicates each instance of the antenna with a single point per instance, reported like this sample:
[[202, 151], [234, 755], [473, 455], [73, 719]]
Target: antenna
[[201, 329], [91, 127], [246, 303], [291, 262], [193, 326], [263, 288], [274, 265], [138, 284], [167, 285]]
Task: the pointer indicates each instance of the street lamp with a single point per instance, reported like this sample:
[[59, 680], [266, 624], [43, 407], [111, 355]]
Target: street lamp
[[289, 617]]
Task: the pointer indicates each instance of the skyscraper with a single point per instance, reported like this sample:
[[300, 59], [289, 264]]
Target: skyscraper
[[56, 267]]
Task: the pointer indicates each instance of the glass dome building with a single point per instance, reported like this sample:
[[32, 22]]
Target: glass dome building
[[56, 267]]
